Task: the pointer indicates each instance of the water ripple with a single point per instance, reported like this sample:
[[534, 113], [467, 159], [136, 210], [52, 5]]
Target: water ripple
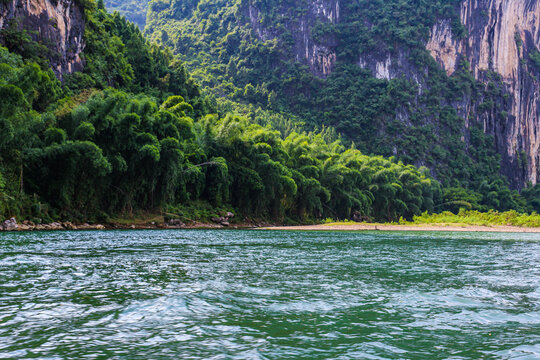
[[269, 295]]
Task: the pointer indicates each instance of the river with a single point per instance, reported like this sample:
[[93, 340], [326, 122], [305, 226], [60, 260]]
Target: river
[[195, 294]]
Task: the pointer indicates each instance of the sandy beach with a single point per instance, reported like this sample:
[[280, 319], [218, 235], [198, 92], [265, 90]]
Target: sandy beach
[[434, 227]]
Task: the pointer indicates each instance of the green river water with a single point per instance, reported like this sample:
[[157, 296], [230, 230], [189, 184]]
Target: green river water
[[183, 294]]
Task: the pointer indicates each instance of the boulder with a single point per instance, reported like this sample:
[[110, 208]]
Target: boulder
[[25, 227], [10, 225], [175, 223], [358, 217], [69, 226], [229, 215], [225, 223], [55, 226], [87, 226]]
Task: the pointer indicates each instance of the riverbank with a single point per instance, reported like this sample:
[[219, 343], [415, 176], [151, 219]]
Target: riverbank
[[143, 223], [155, 225], [59, 226], [391, 227], [504, 222]]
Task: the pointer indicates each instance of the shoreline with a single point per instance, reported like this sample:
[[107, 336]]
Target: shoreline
[[68, 226], [420, 227]]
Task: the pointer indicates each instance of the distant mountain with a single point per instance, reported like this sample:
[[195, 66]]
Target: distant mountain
[[133, 10]]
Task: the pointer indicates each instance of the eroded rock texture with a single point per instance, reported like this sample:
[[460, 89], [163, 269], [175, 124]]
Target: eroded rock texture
[[319, 54], [59, 24], [504, 37]]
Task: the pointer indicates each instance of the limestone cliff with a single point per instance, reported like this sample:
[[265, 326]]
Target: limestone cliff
[[59, 24], [319, 54], [504, 37]]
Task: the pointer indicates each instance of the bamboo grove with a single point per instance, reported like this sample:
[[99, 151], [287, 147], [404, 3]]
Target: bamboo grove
[[133, 132]]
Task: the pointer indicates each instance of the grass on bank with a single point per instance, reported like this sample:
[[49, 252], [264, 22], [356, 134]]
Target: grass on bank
[[473, 217], [465, 217]]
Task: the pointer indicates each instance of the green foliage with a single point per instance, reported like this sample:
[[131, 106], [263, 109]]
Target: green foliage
[[118, 152], [532, 198], [534, 56], [133, 133], [118, 55], [86, 5], [54, 136], [472, 217], [85, 131], [217, 41], [19, 41]]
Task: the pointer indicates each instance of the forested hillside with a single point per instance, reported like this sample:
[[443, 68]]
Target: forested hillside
[[361, 67], [218, 42], [132, 131]]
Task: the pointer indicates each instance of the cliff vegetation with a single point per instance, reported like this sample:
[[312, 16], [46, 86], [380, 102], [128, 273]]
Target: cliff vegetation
[[360, 67], [134, 132]]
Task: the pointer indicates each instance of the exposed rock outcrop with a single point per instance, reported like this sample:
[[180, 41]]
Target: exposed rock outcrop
[[174, 223], [319, 54], [9, 225], [12, 225], [223, 220], [503, 35], [59, 24]]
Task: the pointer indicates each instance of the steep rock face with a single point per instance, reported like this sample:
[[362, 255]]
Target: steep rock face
[[504, 37], [319, 54], [59, 24]]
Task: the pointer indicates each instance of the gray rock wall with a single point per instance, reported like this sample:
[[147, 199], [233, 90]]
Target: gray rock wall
[[59, 24]]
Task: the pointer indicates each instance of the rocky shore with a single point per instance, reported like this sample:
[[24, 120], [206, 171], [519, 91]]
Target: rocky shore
[[220, 222], [12, 225]]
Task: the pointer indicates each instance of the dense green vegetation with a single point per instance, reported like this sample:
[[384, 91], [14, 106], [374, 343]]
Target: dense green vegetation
[[462, 217], [133, 132], [417, 124], [218, 44], [491, 218]]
